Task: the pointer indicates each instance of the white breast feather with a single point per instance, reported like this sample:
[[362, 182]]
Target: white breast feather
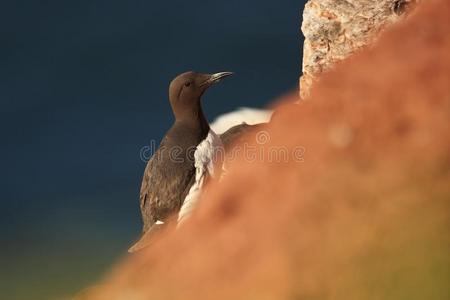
[[208, 152]]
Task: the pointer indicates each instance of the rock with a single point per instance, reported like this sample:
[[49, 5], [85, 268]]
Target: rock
[[334, 29]]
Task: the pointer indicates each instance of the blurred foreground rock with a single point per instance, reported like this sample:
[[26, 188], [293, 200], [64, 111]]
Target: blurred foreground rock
[[359, 209], [334, 30]]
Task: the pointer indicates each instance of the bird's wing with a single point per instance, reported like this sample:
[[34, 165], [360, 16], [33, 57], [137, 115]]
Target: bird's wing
[[208, 161], [146, 197], [157, 200]]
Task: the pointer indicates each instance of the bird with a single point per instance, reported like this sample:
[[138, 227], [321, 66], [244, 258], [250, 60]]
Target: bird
[[171, 171], [191, 153]]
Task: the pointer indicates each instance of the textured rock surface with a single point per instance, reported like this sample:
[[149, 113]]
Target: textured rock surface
[[334, 29]]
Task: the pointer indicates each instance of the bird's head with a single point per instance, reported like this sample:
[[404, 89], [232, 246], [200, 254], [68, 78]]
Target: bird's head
[[186, 90]]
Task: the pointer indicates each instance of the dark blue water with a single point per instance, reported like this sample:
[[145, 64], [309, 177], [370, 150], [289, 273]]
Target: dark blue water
[[83, 86]]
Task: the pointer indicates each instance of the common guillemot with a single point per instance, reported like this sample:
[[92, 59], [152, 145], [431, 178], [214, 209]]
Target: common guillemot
[[171, 174]]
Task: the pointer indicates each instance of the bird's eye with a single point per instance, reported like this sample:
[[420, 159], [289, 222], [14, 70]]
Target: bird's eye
[[187, 83]]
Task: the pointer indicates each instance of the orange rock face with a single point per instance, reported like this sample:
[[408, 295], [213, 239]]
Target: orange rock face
[[360, 211]]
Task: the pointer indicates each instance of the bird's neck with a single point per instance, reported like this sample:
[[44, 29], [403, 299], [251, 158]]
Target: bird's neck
[[193, 118]]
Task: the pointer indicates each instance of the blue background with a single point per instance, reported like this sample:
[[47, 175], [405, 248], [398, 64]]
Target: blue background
[[83, 87]]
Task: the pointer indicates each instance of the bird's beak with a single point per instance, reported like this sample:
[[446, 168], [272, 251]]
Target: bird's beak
[[214, 78]]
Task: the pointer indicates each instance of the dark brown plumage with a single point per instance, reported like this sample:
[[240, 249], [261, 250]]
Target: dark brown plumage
[[170, 172]]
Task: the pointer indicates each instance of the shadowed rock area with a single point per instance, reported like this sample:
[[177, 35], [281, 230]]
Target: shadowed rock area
[[364, 215]]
